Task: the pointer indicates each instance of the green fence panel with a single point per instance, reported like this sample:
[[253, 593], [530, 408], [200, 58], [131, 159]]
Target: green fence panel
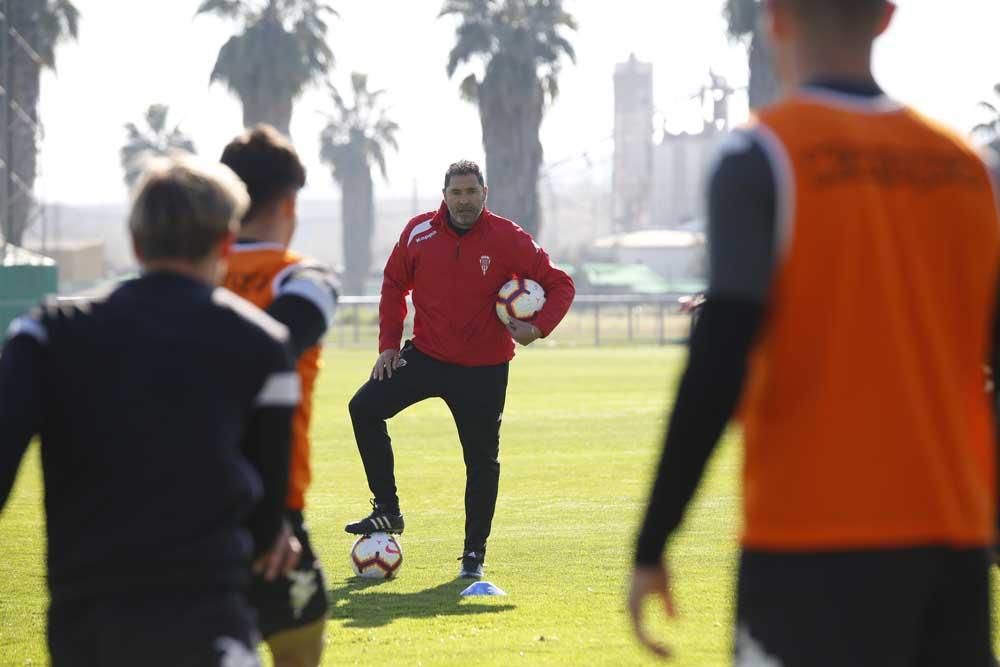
[[25, 279]]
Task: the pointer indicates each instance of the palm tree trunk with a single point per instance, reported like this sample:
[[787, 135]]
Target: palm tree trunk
[[510, 110], [25, 85], [265, 107], [764, 87], [358, 218]]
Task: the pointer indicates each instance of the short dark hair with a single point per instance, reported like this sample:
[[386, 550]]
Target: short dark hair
[[461, 168], [267, 162], [846, 13]]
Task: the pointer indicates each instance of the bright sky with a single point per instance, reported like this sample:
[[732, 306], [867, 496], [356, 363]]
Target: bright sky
[[940, 56]]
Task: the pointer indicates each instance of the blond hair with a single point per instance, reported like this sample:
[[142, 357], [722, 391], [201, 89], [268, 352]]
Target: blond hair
[[183, 206]]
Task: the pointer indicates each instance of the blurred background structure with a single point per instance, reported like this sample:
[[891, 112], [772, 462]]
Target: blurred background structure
[[596, 122]]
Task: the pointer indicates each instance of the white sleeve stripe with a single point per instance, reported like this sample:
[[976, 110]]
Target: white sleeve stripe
[[280, 390], [28, 327], [784, 188], [418, 229], [318, 295]]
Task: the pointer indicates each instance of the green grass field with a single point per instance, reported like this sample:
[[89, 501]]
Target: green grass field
[[581, 432]]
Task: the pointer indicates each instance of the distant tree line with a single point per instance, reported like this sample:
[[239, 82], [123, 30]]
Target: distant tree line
[[281, 47]]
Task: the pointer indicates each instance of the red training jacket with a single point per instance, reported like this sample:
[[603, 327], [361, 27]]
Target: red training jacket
[[455, 280]]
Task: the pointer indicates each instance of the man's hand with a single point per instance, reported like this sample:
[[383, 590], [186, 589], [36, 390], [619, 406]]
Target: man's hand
[[650, 580], [524, 333], [386, 363], [282, 557]]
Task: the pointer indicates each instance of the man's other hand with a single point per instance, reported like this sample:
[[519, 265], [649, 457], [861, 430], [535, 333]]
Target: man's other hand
[[524, 333], [386, 363], [650, 581], [282, 557]]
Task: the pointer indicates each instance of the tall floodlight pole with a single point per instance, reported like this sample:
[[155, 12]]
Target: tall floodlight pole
[[5, 104]]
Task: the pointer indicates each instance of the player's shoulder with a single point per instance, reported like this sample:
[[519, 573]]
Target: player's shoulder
[[742, 144], [422, 220], [944, 136], [423, 217], [41, 322], [501, 225], [299, 267], [245, 318], [53, 318], [740, 156], [418, 227]]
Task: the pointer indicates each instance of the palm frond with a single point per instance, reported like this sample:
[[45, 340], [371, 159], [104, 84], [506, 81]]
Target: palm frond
[[56, 22], [385, 132], [468, 9], [227, 9], [469, 88], [178, 141], [375, 152], [991, 108], [470, 39], [69, 17], [562, 44], [741, 17], [551, 85], [141, 145], [358, 132], [156, 117], [987, 128]]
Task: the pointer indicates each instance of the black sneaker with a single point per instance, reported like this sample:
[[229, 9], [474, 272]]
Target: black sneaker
[[472, 565], [379, 521]]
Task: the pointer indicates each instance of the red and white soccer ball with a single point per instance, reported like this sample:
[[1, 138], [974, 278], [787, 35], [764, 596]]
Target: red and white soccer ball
[[519, 298], [376, 556]]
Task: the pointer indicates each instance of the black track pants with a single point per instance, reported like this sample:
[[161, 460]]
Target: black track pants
[[919, 607], [475, 396]]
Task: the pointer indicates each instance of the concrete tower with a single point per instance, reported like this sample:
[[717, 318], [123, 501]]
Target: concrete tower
[[633, 162]]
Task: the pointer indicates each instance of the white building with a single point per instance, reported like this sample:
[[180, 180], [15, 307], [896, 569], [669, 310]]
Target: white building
[[680, 166], [676, 255]]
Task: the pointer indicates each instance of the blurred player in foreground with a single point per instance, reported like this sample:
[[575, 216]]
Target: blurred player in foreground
[[300, 294], [164, 451], [854, 251]]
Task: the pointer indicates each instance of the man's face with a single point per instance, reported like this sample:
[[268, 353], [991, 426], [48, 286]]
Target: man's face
[[465, 198]]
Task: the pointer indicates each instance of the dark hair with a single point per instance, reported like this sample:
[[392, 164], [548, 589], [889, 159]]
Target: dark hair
[[266, 161], [461, 168], [844, 12]]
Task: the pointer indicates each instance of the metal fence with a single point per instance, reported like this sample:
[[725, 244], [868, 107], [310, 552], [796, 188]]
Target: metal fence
[[592, 320]]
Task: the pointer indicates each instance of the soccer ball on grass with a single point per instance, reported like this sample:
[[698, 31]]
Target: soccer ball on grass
[[376, 556]]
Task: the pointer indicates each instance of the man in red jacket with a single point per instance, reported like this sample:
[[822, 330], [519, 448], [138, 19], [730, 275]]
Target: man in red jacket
[[454, 260]]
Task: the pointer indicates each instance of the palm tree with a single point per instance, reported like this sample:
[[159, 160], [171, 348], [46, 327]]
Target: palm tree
[[36, 28], [354, 140], [989, 130], [281, 50], [151, 141], [743, 17], [520, 43]]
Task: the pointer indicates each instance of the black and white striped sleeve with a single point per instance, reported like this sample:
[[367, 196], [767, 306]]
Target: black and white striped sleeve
[[305, 300], [20, 395]]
